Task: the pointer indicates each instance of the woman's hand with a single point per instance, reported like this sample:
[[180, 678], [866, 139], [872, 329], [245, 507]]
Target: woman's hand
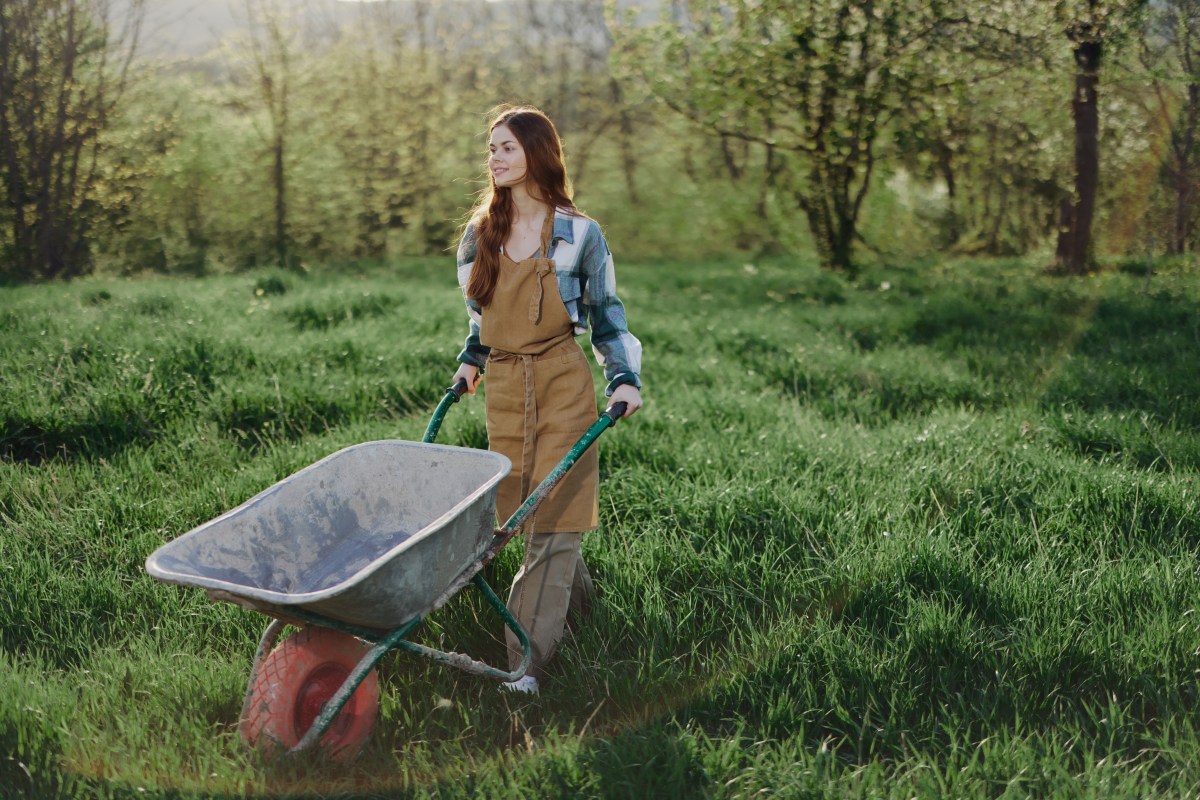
[[628, 394], [471, 374]]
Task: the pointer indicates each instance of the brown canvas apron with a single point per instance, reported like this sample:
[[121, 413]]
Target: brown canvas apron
[[540, 394]]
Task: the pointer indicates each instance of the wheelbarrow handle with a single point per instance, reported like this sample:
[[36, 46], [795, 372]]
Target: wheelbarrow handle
[[615, 412], [452, 396]]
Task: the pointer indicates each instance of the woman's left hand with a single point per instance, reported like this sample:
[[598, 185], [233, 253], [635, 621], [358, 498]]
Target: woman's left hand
[[628, 394]]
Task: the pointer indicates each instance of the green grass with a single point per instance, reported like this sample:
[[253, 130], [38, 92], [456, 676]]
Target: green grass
[[933, 533]]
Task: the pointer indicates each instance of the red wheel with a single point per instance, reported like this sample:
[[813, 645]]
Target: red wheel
[[293, 684]]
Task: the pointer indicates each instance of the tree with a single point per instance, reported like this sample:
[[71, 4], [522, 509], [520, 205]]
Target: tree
[[1170, 53], [1090, 26], [992, 149], [63, 69], [822, 80], [396, 99], [273, 46]]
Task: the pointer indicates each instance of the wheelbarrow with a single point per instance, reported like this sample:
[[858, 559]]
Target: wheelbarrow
[[355, 551]]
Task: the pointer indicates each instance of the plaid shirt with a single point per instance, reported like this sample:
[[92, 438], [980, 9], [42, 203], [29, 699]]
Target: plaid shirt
[[588, 287]]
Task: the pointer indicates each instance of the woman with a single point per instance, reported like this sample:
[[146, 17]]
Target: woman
[[536, 273]]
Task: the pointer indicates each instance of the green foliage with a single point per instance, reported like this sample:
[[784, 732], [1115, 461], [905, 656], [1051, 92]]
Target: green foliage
[[929, 532], [58, 87], [734, 129], [1002, 158], [825, 81]]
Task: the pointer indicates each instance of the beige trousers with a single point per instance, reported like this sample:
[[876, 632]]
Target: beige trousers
[[552, 582]]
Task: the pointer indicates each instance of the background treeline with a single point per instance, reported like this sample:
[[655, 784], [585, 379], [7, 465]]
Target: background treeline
[[888, 129]]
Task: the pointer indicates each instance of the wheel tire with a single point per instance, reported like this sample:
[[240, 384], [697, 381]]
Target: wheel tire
[[293, 684]]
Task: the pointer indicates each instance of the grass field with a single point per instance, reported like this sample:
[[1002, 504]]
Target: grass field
[[930, 534]]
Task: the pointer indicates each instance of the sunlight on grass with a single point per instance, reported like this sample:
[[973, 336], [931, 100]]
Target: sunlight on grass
[[929, 533]]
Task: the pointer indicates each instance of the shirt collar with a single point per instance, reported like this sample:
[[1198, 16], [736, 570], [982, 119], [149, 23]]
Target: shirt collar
[[564, 228]]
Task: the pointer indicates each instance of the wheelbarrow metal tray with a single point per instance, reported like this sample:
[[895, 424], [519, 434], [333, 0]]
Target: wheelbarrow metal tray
[[371, 535]]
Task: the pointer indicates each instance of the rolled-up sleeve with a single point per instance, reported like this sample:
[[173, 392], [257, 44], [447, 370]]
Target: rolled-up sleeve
[[473, 352], [617, 350]]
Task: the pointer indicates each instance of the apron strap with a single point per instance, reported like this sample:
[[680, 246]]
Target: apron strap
[[542, 266]]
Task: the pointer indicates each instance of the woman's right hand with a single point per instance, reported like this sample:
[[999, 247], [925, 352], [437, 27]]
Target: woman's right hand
[[471, 374]]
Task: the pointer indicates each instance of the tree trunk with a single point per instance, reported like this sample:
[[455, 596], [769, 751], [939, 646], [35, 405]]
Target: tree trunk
[[279, 176], [833, 232], [1185, 173], [945, 165], [625, 129], [1183, 211], [1073, 256], [269, 42]]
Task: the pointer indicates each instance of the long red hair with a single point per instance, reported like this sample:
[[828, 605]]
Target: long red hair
[[493, 215]]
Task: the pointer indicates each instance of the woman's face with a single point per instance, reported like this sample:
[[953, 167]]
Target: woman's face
[[506, 157]]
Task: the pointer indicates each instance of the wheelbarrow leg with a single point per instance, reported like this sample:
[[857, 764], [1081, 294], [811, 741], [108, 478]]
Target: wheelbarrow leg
[[513, 625], [468, 664]]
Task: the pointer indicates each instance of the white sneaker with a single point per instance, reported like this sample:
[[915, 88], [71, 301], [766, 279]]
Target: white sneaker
[[526, 685]]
